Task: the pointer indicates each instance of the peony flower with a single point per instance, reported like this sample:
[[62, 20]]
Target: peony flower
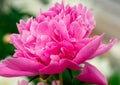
[[54, 41], [23, 82]]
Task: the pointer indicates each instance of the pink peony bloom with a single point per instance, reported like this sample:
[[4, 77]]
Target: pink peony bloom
[[54, 41], [23, 82]]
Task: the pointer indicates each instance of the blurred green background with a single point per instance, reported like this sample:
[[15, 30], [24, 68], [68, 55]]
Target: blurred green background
[[107, 16]]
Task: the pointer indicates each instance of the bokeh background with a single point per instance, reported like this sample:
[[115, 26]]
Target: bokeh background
[[107, 16]]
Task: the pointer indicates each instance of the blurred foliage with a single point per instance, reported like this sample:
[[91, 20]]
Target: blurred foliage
[[114, 79], [45, 1]]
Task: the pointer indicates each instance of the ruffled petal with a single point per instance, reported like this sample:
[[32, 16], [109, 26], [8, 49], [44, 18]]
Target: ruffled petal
[[90, 74], [103, 48], [15, 40], [56, 67], [19, 67], [62, 30], [43, 28], [88, 50], [76, 30], [7, 72]]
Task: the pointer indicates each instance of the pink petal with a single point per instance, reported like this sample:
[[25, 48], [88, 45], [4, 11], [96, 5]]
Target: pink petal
[[76, 30], [49, 13], [21, 26], [8, 72], [43, 28], [55, 67], [67, 19], [104, 48], [62, 30], [24, 25], [33, 28], [23, 82], [28, 23], [91, 75], [57, 82], [88, 50], [15, 40], [19, 67], [41, 83], [26, 36], [53, 83]]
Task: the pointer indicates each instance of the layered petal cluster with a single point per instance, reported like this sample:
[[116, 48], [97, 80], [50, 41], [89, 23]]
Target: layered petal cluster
[[54, 41]]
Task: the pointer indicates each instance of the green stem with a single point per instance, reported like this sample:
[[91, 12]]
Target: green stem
[[60, 78], [34, 78], [71, 75]]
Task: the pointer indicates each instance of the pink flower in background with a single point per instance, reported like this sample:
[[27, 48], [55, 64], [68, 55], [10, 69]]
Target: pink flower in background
[[23, 82], [54, 41]]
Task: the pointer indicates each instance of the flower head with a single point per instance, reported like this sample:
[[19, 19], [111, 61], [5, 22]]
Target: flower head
[[54, 41]]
